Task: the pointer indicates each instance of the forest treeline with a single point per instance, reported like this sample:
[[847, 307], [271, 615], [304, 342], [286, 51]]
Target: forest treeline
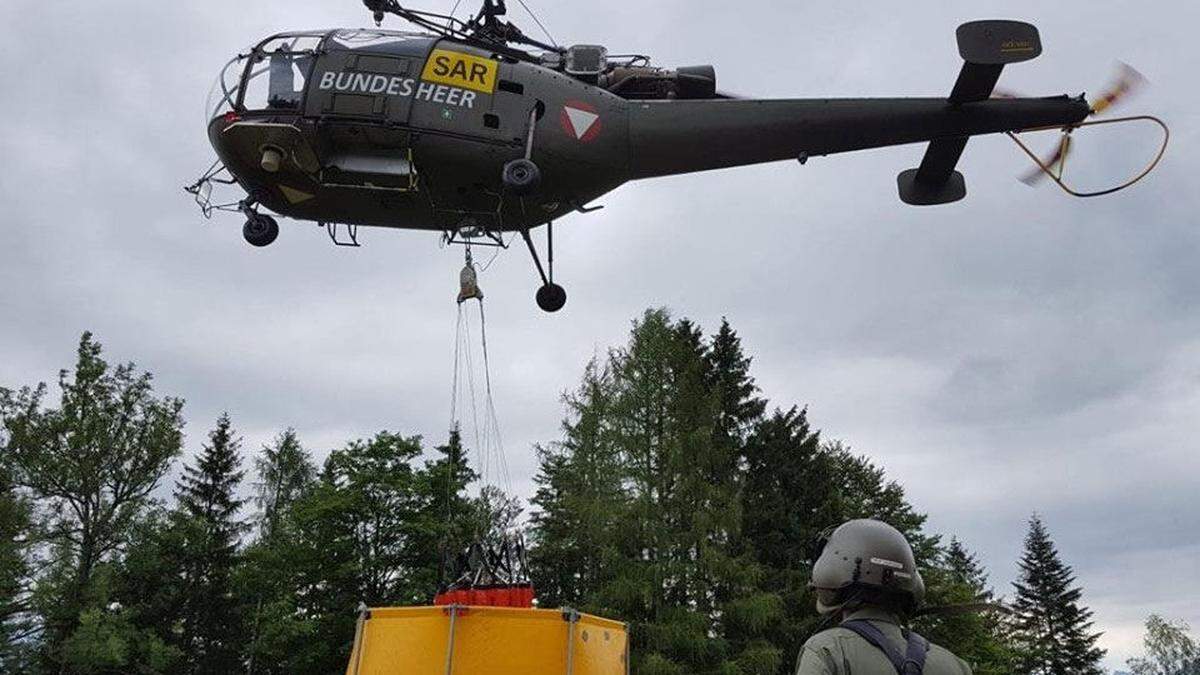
[[676, 499]]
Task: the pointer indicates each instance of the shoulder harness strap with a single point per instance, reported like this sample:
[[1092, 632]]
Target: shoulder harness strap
[[910, 663]]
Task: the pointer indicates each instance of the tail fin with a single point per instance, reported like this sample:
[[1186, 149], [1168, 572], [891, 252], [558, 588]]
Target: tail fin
[[986, 47]]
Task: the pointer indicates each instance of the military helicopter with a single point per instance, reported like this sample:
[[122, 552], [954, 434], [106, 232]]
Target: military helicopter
[[472, 128]]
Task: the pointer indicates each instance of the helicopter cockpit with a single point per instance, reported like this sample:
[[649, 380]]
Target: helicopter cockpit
[[271, 76]]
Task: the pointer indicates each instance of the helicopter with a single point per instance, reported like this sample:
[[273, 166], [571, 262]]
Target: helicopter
[[473, 129]]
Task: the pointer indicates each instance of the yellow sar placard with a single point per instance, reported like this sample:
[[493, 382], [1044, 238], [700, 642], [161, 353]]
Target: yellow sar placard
[[461, 70]]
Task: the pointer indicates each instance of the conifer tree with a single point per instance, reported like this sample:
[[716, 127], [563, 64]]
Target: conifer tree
[[1052, 630], [787, 500], [739, 406], [978, 637], [207, 517], [579, 498], [638, 508]]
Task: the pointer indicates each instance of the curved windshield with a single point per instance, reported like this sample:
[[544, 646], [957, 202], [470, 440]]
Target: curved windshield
[[279, 67], [224, 92]]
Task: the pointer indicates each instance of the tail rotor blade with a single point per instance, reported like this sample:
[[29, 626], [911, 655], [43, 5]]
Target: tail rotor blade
[[1053, 163], [1127, 81]]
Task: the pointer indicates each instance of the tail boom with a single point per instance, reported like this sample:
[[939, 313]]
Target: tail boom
[[674, 137]]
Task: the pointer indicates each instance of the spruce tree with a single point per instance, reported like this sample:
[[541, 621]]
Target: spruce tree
[[637, 509], [207, 515], [738, 404], [1052, 630], [979, 637]]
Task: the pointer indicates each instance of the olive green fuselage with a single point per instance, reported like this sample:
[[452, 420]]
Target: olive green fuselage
[[415, 133]]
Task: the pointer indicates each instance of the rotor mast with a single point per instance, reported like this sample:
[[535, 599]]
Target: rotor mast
[[486, 27]]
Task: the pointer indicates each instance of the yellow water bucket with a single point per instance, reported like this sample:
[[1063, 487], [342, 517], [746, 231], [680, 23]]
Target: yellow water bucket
[[459, 640]]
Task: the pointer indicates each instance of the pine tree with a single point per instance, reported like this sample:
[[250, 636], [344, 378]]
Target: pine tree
[[1052, 630], [207, 515]]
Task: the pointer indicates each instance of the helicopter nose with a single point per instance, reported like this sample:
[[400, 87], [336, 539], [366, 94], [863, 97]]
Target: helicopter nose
[[271, 160]]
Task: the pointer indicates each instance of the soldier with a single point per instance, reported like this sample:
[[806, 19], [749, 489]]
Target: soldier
[[866, 577]]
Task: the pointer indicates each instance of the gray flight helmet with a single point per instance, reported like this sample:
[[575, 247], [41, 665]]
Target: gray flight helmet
[[870, 556]]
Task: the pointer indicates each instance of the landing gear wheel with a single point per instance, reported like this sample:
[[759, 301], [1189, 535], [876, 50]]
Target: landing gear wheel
[[260, 230], [521, 176], [551, 297]]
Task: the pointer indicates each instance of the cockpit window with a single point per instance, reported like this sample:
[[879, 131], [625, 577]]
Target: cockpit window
[[223, 95], [365, 38], [278, 70]]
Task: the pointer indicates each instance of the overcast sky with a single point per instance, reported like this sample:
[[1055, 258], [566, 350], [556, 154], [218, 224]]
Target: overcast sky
[[1017, 351]]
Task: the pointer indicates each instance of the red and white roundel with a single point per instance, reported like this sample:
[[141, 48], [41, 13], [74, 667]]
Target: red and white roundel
[[580, 120]]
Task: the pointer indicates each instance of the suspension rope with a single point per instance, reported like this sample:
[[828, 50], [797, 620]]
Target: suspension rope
[[485, 426], [492, 419]]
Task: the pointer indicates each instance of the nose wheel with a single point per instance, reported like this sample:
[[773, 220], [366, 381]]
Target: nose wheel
[[260, 229], [550, 297]]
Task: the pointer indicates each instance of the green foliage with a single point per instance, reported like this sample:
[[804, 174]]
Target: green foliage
[[370, 528], [1051, 629], [206, 523], [106, 642], [285, 472], [638, 505], [1170, 649], [17, 537], [673, 501], [979, 638], [93, 463]]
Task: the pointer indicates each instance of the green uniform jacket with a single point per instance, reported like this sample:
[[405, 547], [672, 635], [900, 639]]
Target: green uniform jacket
[[841, 651]]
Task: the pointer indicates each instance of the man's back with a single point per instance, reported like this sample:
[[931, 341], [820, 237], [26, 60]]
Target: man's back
[[841, 651]]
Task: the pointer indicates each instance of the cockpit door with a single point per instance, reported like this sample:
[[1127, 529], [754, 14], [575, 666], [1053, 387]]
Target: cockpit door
[[359, 85]]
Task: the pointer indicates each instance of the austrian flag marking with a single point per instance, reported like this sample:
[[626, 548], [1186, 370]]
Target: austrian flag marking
[[580, 120]]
